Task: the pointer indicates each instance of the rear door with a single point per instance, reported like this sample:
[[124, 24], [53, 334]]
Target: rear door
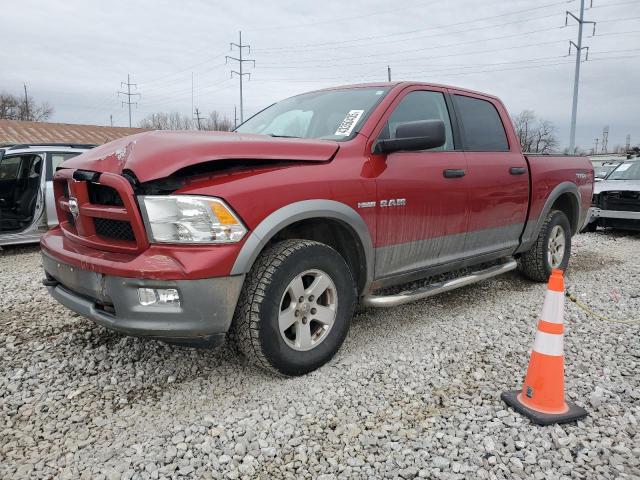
[[421, 209], [497, 176]]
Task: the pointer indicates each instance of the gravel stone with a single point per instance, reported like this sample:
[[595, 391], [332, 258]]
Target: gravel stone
[[413, 392]]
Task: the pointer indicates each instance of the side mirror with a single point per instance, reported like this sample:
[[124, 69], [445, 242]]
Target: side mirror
[[413, 136]]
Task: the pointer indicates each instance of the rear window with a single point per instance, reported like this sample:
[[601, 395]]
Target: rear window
[[482, 129]]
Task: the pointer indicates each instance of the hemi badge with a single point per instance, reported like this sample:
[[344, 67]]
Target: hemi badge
[[366, 204]]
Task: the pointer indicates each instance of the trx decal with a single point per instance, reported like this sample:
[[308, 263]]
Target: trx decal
[[366, 204]]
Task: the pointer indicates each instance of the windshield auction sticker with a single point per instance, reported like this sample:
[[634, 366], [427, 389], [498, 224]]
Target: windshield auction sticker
[[349, 122]]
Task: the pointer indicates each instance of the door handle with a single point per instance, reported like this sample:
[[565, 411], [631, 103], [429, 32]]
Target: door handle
[[518, 170], [453, 173]]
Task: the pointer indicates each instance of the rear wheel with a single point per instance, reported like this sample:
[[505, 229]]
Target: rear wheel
[[551, 249], [295, 307]]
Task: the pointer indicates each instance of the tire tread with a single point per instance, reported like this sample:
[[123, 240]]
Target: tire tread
[[532, 263], [245, 328]]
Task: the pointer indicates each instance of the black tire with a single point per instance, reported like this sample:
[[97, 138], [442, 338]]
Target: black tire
[[534, 264], [255, 331]]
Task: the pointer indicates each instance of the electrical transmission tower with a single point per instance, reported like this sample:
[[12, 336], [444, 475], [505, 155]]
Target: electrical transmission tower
[[241, 61], [129, 95], [605, 138], [576, 81], [627, 143], [595, 151]]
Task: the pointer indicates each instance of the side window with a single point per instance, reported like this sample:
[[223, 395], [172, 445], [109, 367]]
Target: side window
[[55, 160], [482, 129], [9, 168], [420, 105]]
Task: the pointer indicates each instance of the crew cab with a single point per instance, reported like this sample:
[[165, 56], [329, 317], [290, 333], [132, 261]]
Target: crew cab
[[272, 234], [27, 207]]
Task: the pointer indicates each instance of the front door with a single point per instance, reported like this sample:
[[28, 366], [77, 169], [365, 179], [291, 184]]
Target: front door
[[422, 205]]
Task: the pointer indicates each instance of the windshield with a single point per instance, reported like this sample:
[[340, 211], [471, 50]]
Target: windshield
[[603, 170], [626, 171], [326, 115]]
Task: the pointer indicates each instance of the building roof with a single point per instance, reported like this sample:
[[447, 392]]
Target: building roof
[[16, 131]]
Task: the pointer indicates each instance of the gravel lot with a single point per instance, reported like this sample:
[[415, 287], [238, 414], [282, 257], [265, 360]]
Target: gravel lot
[[415, 391]]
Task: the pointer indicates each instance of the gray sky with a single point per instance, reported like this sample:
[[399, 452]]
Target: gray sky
[[74, 54]]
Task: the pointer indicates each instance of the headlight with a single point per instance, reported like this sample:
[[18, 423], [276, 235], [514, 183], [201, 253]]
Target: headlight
[[190, 219]]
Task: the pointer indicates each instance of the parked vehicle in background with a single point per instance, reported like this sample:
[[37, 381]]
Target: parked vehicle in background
[[616, 200], [601, 172], [275, 232], [27, 206]]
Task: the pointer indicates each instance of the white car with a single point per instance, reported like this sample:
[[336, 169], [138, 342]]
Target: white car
[[616, 199], [27, 207]]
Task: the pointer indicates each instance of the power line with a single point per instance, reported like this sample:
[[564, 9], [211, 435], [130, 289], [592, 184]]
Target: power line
[[332, 21], [440, 27], [129, 95], [241, 61], [576, 80]]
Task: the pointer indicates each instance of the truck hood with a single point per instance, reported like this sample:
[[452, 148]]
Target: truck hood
[[617, 186], [158, 154]]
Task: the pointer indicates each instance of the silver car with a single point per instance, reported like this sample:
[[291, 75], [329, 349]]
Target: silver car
[[27, 206], [616, 200]]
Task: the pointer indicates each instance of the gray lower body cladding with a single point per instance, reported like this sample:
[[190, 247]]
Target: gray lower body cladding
[[398, 259], [204, 314]]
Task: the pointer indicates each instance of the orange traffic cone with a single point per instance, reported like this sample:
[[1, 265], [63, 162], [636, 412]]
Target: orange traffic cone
[[542, 396]]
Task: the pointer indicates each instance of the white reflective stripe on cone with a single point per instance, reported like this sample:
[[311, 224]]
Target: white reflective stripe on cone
[[548, 344], [553, 307]]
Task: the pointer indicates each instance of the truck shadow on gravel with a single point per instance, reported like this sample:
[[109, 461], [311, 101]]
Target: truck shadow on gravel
[[19, 249], [589, 261], [118, 371]]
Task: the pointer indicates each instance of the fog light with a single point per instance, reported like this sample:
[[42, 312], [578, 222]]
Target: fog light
[[159, 296]]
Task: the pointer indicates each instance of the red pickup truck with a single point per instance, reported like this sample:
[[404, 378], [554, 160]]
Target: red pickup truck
[[275, 232]]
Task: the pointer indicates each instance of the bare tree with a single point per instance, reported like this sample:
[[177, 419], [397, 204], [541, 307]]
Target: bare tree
[[166, 121], [177, 121], [13, 107], [217, 121], [535, 135]]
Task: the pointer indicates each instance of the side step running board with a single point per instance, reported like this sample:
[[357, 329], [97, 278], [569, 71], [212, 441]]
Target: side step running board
[[436, 288]]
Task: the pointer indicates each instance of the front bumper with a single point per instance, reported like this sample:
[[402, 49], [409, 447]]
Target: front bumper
[[595, 213], [203, 316]]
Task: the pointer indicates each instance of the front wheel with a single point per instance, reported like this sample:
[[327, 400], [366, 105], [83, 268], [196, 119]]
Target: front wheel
[[295, 307], [551, 249]]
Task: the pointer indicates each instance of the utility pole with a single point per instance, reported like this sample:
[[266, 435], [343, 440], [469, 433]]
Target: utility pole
[[198, 117], [235, 117], [192, 94], [26, 103], [129, 95], [576, 81], [241, 62], [388, 73], [111, 120]]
